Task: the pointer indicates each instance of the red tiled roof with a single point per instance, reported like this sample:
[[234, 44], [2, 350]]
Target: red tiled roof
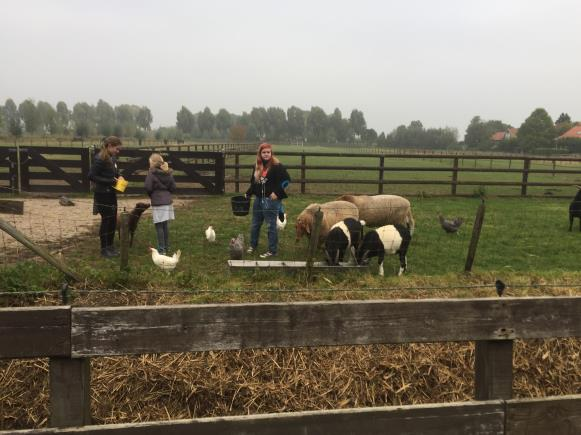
[[499, 135], [573, 132]]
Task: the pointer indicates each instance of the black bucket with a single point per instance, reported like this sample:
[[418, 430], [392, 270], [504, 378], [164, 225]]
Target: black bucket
[[240, 205]]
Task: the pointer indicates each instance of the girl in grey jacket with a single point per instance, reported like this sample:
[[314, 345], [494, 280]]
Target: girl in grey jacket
[[159, 184]]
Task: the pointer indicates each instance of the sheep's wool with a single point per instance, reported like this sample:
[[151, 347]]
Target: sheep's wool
[[390, 237]]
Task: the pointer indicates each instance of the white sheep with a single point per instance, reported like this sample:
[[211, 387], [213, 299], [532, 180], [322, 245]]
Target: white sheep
[[333, 212], [378, 210]]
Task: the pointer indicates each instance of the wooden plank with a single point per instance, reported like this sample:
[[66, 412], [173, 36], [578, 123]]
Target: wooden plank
[[184, 328], [9, 206], [70, 392], [483, 418], [553, 415], [35, 332], [493, 367]]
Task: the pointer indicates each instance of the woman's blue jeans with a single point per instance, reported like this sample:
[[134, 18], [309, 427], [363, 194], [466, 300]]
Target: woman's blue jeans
[[265, 209]]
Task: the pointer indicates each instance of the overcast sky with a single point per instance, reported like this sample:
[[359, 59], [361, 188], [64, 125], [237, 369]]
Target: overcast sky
[[438, 61]]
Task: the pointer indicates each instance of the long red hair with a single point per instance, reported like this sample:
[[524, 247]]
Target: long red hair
[[259, 167]]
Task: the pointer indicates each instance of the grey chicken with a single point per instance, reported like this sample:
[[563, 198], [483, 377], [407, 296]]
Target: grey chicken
[[450, 225], [65, 202], [236, 247]]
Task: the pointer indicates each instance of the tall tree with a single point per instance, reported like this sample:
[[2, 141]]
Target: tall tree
[[223, 123], [29, 115], [104, 118], [47, 117], [339, 125], [206, 122], [83, 118], [12, 118], [144, 118], [259, 119], [563, 117], [63, 118], [296, 122], [317, 124], [536, 132], [357, 122], [125, 119], [277, 124], [185, 120]]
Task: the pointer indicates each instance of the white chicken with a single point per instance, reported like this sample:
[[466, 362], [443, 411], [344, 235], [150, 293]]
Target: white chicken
[[163, 261], [210, 234], [280, 224]]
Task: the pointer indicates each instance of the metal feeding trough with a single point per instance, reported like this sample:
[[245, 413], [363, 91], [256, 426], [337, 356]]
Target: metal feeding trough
[[288, 264]]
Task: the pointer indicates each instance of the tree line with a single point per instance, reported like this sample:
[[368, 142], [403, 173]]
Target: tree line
[[83, 120], [272, 123], [537, 133]]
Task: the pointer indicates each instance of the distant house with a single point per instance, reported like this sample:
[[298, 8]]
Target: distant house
[[504, 135], [574, 132]]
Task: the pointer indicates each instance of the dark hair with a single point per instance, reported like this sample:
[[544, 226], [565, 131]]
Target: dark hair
[[111, 140]]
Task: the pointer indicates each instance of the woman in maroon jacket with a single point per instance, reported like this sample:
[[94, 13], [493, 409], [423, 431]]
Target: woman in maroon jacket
[[268, 182]]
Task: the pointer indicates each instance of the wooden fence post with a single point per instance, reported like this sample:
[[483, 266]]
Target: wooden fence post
[[303, 172], [381, 172], [314, 243], [70, 391], [237, 173], [493, 370], [124, 236], [475, 237], [455, 176], [525, 176]]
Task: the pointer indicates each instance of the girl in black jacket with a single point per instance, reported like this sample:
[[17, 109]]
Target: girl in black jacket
[[105, 174], [268, 182]]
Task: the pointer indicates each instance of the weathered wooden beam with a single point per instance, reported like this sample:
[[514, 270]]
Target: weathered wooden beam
[[154, 329], [70, 392], [35, 332], [543, 416], [493, 370], [451, 419], [10, 206]]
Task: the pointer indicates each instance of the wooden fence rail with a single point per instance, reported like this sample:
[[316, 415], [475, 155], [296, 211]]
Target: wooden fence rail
[[382, 168], [62, 170], [71, 336]]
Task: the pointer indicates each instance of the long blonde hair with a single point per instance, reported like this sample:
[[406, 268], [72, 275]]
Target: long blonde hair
[[258, 168], [156, 162], [104, 152]]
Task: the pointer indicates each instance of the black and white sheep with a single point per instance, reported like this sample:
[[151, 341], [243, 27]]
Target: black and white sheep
[[389, 239], [344, 236], [575, 209]]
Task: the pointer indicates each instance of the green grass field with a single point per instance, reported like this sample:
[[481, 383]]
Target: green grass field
[[522, 240]]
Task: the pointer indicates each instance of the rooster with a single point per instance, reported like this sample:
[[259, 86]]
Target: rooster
[[450, 225], [210, 234], [236, 247], [163, 261]]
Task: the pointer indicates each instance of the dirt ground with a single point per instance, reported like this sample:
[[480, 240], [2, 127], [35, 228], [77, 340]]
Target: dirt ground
[[48, 223]]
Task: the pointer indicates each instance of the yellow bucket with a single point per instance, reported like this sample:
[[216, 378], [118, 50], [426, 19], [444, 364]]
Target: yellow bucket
[[120, 185]]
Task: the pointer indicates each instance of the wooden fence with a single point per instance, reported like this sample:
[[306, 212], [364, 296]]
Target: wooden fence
[[522, 169], [65, 170], [71, 336], [62, 170]]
